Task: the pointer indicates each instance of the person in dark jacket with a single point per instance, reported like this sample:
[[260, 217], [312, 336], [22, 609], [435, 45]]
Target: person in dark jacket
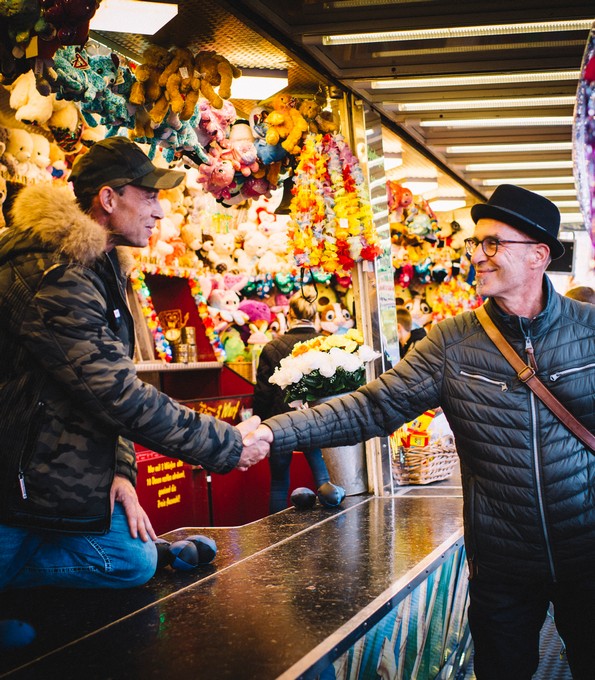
[[528, 481], [71, 403], [408, 336], [268, 399]]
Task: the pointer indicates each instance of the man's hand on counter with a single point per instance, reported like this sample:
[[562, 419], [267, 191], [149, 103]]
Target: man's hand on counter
[[255, 448]]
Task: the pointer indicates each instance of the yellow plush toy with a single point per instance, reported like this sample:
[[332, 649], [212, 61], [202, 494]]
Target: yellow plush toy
[[215, 72], [285, 123], [146, 89], [180, 82]]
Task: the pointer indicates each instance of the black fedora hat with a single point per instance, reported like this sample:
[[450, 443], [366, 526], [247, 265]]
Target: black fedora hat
[[526, 211]]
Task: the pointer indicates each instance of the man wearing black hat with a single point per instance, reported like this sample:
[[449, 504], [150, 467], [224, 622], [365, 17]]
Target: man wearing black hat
[[528, 481], [71, 403]]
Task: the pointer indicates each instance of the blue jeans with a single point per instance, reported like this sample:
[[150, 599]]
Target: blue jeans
[[31, 558], [506, 620], [280, 464]]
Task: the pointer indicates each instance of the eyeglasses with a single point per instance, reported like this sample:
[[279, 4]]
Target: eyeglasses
[[489, 245]]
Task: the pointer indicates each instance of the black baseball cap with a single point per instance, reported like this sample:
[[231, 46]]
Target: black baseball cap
[[116, 162]]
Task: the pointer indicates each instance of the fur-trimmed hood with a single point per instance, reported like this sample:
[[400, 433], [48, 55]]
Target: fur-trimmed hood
[[52, 216]]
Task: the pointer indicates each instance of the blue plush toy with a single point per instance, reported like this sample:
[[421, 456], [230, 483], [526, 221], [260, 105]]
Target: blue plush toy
[[99, 96]]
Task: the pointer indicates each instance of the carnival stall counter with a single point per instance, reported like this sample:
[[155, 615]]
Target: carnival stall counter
[[286, 597]]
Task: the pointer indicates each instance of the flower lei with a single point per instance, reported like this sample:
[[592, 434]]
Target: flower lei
[[203, 312], [162, 346], [331, 226]]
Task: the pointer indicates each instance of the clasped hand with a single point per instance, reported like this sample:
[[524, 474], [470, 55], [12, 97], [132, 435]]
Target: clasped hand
[[257, 439]]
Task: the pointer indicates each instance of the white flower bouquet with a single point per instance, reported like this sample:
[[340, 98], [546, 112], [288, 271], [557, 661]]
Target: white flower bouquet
[[323, 367]]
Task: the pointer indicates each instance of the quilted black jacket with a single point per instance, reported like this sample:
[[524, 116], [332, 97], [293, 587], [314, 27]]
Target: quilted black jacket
[[528, 483]]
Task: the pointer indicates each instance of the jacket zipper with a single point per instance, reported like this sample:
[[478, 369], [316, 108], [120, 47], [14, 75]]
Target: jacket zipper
[[536, 465], [502, 385], [28, 444], [555, 376]]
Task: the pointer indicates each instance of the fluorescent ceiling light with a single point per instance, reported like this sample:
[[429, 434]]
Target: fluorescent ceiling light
[[475, 48], [259, 84], [527, 180], [478, 79], [521, 165], [509, 148], [457, 32], [132, 16], [556, 193], [420, 185], [499, 122], [572, 218], [567, 204], [447, 204], [469, 104]]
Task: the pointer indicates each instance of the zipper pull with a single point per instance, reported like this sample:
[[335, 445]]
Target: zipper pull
[[530, 353], [22, 485]]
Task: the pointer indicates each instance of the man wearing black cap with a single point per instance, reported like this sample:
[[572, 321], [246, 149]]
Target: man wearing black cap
[[528, 482], [70, 400]]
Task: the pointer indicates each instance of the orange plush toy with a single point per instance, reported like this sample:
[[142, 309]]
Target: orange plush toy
[[285, 123]]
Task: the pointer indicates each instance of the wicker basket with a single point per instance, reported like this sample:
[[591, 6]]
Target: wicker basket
[[244, 368], [424, 465]]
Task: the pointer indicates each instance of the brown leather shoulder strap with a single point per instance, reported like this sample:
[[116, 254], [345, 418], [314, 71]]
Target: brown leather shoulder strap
[[527, 375]]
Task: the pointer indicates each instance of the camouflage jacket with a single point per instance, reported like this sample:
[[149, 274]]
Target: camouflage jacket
[[71, 402]]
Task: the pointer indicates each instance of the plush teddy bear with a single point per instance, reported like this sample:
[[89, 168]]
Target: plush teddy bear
[[146, 89], [216, 72], [69, 19], [66, 125], [30, 107], [310, 108], [223, 306], [180, 83], [254, 247], [40, 158], [19, 149], [285, 124]]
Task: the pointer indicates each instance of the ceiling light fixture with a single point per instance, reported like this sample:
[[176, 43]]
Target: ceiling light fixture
[[258, 84], [556, 193], [469, 104], [509, 148], [498, 122], [420, 185], [527, 180], [520, 165], [463, 49], [132, 16], [477, 79], [457, 32], [447, 203]]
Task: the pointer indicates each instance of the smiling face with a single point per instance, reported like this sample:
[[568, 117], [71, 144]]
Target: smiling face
[[133, 214], [514, 275]]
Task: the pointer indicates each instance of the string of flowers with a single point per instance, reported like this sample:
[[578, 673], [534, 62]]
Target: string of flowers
[[331, 226], [162, 346], [208, 323]]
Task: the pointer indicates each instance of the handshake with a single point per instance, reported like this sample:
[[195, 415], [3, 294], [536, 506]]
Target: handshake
[[257, 439]]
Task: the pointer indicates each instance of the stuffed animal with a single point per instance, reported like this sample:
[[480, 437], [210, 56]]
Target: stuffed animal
[[254, 247], [223, 248], [58, 165], [310, 108], [217, 178], [241, 142], [146, 89], [40, 158], [66, 125], [69, 19], [223, 306], [327, 122], [180, 83], [215, 72], [286, 124], [399, 200], [24, 20], [334, 318], [3, 193], [30, 107], [100, 99], [19, 150], [213, 124], [69, 66]]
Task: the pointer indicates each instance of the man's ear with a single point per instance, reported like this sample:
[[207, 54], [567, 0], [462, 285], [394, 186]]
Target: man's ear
[[541, 255], [106, 198]]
